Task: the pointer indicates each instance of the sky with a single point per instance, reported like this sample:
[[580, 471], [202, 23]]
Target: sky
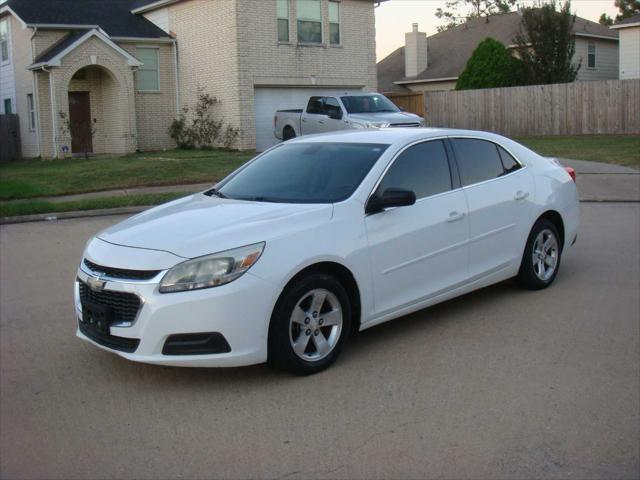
[[394, 18]]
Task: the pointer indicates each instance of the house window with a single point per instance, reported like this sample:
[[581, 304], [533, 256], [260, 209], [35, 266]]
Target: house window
[[7, 106], [283, 20], [309, 13], [32, 112], [148, 78], [334, 22], [591, 54], [4, 41]]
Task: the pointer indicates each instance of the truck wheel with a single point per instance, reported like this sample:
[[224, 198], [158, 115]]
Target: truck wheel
[[288, 133]]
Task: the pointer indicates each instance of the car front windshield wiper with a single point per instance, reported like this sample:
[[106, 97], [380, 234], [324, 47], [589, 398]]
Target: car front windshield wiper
[[213, 192]]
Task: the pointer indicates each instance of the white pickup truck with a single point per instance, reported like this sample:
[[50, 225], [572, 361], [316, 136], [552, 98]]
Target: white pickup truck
[[342, 112]]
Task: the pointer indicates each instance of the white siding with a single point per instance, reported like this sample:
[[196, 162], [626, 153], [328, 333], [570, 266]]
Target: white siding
[[159, 17], [7, 77], [629, 52], [607, 52]]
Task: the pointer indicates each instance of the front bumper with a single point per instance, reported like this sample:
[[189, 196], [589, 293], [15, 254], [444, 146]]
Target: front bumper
[[240, 311]]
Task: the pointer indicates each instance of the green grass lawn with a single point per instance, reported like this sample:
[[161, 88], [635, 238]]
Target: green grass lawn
[[618, 149], [40, 178], [33, 207]]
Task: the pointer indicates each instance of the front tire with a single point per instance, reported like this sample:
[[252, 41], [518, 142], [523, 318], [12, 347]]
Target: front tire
[[541, 258], [310, 324]]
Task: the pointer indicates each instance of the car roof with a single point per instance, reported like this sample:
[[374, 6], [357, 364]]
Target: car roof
[[390, 136]]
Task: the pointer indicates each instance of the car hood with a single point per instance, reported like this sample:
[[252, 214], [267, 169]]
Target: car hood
[[199, 225], [385, 117]]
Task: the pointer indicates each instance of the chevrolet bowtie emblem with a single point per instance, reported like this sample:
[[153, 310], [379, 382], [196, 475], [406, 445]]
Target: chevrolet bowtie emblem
[[95, 283]]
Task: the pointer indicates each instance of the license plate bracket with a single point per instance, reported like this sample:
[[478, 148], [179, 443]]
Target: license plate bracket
[[97, 317]]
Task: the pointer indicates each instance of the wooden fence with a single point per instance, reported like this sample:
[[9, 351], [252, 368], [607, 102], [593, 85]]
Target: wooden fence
[[410, 102], [9, 138], [579, 108]]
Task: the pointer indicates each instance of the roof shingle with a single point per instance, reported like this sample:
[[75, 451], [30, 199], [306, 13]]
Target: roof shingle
[[113, 16]]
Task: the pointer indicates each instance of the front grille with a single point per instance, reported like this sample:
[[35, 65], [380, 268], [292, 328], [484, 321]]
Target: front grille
[[124, 305], [122, 344], [412, 124], [121, 273]]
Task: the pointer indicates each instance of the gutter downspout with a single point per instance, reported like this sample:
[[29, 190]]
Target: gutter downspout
[[36, 96], [54, 123], [175, 72]]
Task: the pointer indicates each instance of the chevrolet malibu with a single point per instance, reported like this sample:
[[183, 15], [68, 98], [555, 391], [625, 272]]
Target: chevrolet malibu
[[321, 237]]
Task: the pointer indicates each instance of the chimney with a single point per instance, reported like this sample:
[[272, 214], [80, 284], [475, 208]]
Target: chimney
[[415, 52]]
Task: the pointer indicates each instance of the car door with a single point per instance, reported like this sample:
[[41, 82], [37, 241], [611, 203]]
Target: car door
[[313, 118], [335, 115], [498, 191], [419, 251]]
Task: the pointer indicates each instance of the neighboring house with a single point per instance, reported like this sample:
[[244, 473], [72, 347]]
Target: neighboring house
[[123, 69], [435, 62], [629, 30]]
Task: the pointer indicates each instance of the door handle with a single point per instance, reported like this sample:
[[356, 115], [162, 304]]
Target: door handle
[[521, 195], [455, 216], [321, 122]]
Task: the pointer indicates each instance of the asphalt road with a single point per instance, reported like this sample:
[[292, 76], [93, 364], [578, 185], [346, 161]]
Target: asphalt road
[[500, 383]]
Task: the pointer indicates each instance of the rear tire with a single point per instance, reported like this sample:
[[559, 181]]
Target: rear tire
[[541, 257], [310, 325], [288, 133]]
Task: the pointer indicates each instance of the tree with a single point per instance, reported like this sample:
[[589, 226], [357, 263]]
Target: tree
[[627, 8], [490, 66], [546, 45], [471, 9]]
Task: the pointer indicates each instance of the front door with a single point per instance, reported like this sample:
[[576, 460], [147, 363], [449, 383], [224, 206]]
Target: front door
[[80, 122], [420, 251]]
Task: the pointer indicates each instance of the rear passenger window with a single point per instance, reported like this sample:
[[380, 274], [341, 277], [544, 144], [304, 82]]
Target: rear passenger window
[[508, 162], [315, 105], [422, 168], [478, 160]]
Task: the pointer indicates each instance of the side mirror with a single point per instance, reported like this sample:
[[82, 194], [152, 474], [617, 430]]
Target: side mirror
[[335, 114], [402, 109], [391, 197]]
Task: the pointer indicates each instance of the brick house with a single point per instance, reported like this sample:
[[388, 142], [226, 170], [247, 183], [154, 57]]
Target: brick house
[[110, 76], [435, 62]]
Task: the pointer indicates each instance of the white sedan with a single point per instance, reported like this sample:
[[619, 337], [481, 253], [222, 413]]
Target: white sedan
[[321, 237]]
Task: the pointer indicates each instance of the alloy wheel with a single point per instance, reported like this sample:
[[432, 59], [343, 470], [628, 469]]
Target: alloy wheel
[[315, 325], [545, 255]]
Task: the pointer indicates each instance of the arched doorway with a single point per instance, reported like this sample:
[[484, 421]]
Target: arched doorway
[[98, 112]]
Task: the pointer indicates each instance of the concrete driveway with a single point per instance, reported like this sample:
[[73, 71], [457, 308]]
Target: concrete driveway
[[501, 383]]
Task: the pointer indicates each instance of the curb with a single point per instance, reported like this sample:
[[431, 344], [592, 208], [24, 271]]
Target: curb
[[49, 217], [105, 212]]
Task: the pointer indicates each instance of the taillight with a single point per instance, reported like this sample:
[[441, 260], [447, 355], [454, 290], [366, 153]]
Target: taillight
[[571, 172]]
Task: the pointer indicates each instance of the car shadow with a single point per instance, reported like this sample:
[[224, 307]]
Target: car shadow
[[169, 378]]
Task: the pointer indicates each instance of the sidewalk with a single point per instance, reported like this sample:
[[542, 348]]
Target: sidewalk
[[603, 182], [190, 188]]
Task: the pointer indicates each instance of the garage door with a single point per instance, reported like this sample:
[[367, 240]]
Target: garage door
[[268, 100]]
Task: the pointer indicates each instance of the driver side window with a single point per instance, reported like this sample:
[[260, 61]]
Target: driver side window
[[332, 108], [422, 168]]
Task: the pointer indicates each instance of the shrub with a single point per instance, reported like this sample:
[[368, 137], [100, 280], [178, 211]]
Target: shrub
[[490, 66], [201, 130]]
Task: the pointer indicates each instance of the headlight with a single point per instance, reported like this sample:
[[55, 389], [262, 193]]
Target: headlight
[[377, 125], [211, 270]]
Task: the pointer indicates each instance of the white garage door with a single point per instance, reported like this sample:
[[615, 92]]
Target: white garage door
[[268, 100]]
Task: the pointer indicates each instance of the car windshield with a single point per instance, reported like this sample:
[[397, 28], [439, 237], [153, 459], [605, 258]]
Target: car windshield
[[303, 173], [368, 104]]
